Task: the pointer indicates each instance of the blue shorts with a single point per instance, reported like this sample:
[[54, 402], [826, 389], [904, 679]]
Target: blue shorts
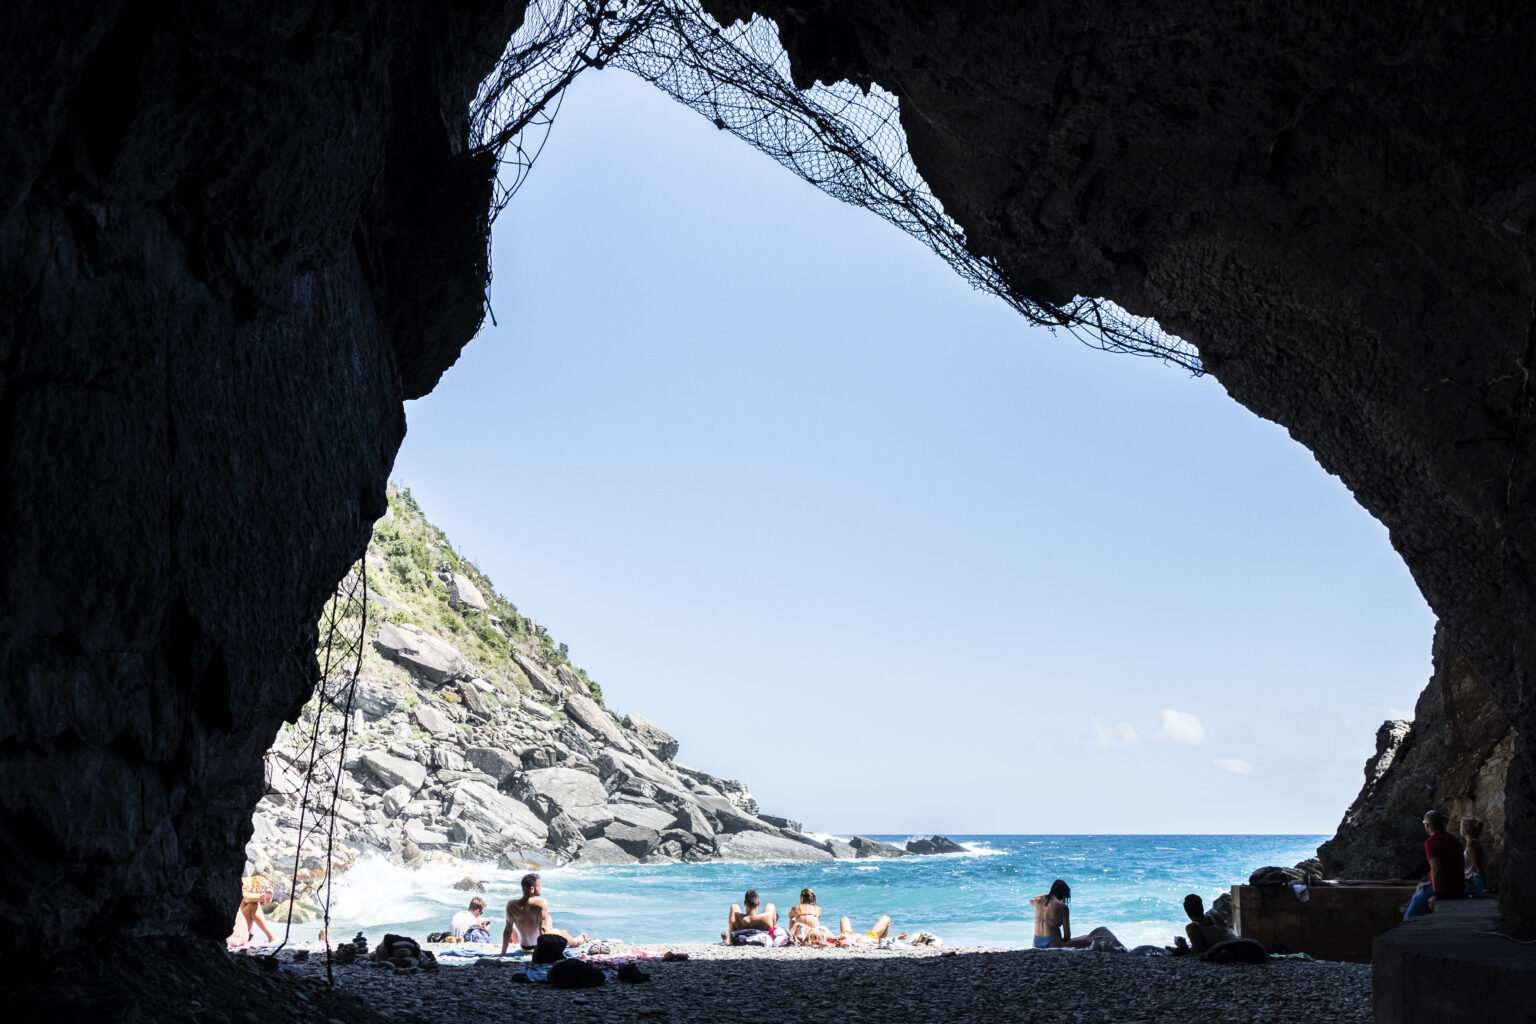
[[1043, 941], [1419, 905]]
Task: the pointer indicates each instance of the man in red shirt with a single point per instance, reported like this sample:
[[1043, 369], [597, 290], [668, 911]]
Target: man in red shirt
[[1443, 851], [1446, 881]]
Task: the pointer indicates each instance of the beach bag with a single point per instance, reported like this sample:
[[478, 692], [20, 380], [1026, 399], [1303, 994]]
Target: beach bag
[[549, 949], [574, 973]]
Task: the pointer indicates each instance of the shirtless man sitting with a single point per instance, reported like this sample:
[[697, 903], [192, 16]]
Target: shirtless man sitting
[[528, 918], [750, 919]]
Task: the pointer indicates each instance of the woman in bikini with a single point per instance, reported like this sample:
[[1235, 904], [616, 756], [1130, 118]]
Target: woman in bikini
[[1053, 921], [805, 928]]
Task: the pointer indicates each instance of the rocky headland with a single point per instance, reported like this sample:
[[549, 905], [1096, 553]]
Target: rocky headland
[[472, 736]]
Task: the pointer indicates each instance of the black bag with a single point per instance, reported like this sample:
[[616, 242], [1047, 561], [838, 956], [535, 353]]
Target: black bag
[[549, 949], [574, 973]]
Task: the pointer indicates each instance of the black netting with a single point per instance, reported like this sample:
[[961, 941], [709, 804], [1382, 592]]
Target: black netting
[[847, 142]]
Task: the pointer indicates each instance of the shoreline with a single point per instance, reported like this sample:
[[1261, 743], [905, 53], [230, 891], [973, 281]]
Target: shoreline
[[962, 984]]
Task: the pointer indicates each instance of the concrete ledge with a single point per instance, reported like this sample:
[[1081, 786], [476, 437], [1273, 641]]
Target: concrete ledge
[[1443, 969]]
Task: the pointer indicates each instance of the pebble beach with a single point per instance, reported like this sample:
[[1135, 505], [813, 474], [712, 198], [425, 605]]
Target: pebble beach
[[718, 983]]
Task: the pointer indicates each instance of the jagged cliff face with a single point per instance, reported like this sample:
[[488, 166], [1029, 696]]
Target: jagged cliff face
[[232, 239], [232, 242], [1453, 756], [1335, 204]]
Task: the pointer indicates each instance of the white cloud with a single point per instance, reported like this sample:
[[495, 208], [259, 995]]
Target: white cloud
[[1235, 765], [1121, 735], [1182, 727]]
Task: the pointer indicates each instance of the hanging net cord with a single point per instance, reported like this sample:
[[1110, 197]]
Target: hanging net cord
[[846, 141], [313, 782]]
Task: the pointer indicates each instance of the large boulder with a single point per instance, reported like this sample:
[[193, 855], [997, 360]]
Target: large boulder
[[537, 676], [378, 772], [394, 800], [462, 593], [647, 735], [578, 794], [434, 721], [690, 818], [475, 701], [730, 818], [642, 815], [936, 844], [374, 699], [593, 718], [495, 762], [427, 656], [755, 846], [600, 853], [864, 847], [632, 839], [496, 814]]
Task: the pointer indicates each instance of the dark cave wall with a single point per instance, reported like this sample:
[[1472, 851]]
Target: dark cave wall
[[1334, 202], [232, 240]]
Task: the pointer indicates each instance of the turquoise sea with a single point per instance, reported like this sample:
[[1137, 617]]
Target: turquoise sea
[[1133, 884]]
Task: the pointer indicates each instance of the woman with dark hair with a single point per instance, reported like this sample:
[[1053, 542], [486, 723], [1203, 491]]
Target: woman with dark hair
[[1053, 920], [1472, 856], [805, 926]]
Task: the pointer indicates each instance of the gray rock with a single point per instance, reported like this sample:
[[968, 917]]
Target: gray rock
[[536, 707], [462, 593], [537, 676], [755, 846], [539, 757], [570, 679], [691, 819], [643, 816], [647, 735], [730, 818], [494, 762], [475, 701], [934, 845], [576, 793], [516, 858], [444, 757], [426, 655], [565, 835], [374, 700], [396, 799], [416, 832], [865, 847], [600, 852], [839, 848], [378, 772], [632, 839], [496, 814], [434, 721], [594, 719], [785, 823]]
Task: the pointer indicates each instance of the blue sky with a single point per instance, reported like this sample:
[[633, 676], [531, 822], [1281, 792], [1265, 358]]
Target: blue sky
[[863, 538]]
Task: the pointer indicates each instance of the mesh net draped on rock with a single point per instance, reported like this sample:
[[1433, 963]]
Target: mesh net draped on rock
[[846, 141]]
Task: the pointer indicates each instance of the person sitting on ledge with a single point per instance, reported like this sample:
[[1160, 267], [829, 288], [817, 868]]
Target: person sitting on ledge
[[1472, 833], [751, 919], [1447, 879], [255, 893], [1206, 927], [528, 918], [469, 925], [1053, 919]]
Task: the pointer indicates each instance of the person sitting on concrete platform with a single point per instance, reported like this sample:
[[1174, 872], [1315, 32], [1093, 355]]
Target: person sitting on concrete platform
[[1472, 834], [1447, 868]]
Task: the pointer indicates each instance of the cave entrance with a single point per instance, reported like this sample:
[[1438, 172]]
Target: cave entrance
[[775, 467]]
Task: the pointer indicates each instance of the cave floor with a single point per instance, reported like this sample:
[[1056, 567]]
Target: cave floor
[[961, 985]]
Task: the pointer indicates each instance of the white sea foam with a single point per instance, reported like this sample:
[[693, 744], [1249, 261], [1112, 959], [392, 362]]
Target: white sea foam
[[980, 849]]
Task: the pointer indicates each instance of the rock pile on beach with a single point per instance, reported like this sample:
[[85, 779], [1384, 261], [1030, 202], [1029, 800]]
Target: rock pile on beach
[[472, 736]]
